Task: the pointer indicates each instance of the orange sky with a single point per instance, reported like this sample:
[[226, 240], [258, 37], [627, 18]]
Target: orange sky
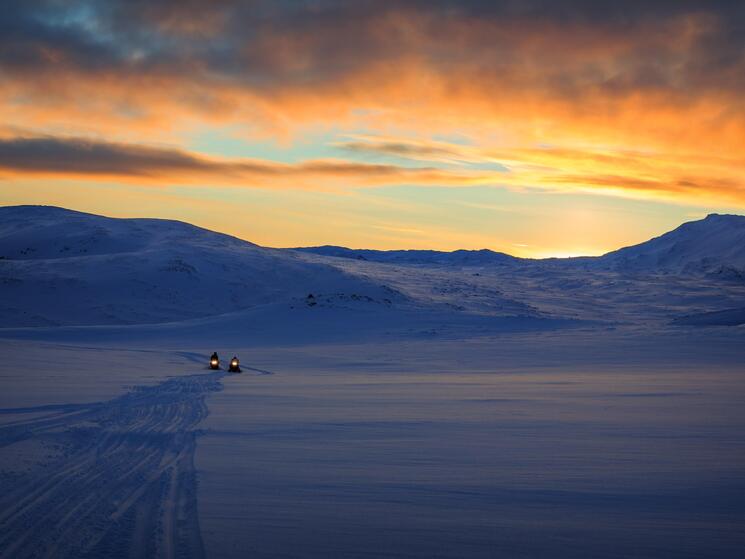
[[394, 124]]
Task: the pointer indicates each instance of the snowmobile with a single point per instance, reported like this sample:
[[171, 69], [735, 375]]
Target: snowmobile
[[214, 362], [234, 366]]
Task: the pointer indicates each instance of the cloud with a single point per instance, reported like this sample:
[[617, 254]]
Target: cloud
[[602, 82], [408, 150], [619, 172], [563, 170], [85, 158], [282, 62]]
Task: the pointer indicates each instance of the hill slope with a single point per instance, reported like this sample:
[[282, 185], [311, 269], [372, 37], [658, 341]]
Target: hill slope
[[61, 267], [715, 244], [64, 268]]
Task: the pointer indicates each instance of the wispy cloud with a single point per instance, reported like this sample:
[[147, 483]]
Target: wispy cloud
[[432, 151], [589, 169], [642, 175], [86, 158]]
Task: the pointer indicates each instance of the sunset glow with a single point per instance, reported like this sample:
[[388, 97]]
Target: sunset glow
[[530, 128]]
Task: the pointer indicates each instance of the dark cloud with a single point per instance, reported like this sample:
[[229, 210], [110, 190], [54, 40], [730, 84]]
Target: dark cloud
[[88, 157], [401, 149], [92, 159], [279, 43], [662, 77], [78, 157]]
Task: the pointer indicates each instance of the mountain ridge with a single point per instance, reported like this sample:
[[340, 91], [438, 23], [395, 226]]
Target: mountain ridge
[[665, 252], [65, 268], [414, 256], [703, 246], [660, 251]]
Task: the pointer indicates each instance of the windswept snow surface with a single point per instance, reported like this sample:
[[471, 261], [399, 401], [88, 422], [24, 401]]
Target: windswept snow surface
[[532, 445], [117, 477], [407, 405], [559, 443]]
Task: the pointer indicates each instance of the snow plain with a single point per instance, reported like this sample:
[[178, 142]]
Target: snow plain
[[451, 406]]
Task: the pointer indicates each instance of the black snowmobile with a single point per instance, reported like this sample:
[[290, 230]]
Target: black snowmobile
[[234, 365], [214, 362]]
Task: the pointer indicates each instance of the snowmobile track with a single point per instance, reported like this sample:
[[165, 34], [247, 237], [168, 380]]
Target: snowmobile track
[[118, 480]]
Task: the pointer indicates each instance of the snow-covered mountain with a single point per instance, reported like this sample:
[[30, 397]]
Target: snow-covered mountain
[[714, 245], [65, 268], [61, 267], [456, 257]]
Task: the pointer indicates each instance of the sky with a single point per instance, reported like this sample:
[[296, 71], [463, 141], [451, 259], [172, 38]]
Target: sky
[[533, 127]]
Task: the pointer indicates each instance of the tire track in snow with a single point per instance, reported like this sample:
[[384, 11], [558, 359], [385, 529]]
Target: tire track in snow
[[122, 482]]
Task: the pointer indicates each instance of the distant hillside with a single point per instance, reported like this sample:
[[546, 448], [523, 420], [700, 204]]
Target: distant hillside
[[64, 267], [714, 245], [457, 257]]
